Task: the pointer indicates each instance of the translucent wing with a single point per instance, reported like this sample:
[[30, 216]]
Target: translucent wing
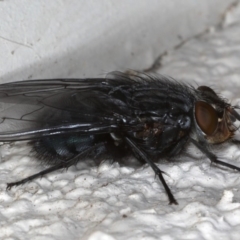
[[32, 109], [36, 108]]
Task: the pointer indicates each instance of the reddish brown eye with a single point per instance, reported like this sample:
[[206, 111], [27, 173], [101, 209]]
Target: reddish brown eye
[[206, 117]]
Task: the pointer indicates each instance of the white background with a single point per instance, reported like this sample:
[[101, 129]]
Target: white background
[[47, 39]]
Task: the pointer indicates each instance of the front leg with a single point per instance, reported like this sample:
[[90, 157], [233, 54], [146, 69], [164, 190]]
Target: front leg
[[212, 156], [140, 154]]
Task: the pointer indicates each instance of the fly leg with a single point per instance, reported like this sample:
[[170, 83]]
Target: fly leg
[[65, 164], [39, 174], [212, 156], [235, 141], [157, 171], [178, 147]]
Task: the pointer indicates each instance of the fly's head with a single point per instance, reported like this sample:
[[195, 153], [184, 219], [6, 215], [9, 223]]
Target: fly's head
[[213, 116]]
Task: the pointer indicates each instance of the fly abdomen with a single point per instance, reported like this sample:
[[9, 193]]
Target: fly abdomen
[[61, 148]]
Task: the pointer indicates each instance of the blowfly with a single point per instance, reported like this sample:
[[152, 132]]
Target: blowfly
[[148, 116]]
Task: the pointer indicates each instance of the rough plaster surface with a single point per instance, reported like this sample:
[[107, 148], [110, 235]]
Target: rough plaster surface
[[119, 202]]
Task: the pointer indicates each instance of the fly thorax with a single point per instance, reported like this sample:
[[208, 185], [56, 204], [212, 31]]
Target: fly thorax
[[184, 122]]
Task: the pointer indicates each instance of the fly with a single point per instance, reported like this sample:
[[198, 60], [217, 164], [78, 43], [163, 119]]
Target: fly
[[147, 116]]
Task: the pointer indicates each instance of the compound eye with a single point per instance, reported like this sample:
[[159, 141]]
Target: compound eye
[[206, 116]]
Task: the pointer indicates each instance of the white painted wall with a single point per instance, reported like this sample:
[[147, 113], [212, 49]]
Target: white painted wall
[[77, 38]]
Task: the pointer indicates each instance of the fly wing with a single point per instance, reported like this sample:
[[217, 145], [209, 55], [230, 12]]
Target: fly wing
[[32, 109], [37, 108]]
